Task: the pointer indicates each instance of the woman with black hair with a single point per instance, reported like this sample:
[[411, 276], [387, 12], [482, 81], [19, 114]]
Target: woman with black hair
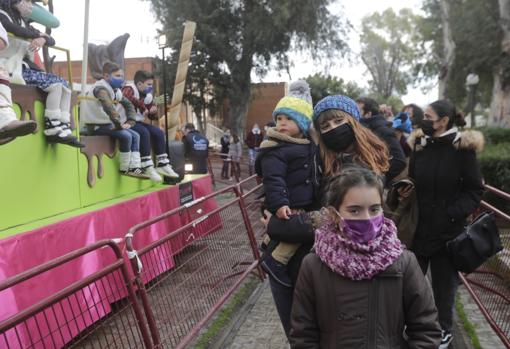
[[448, 188], [415, 113]]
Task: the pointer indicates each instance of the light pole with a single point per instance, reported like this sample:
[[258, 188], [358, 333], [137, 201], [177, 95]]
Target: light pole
[[471, 82], [162, 46]]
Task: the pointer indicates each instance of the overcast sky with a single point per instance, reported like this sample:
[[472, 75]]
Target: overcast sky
[[111, 18]]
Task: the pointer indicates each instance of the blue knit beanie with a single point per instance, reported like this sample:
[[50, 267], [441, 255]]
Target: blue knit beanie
[[297, 105], [338, 102]]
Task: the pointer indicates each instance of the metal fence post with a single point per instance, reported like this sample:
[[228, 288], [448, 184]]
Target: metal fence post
[[249, 229], [136, 266]]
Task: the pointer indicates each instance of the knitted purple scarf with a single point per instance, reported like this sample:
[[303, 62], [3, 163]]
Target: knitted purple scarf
[[353, 260]]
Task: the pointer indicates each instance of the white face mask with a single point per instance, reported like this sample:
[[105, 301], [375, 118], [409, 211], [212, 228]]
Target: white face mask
[[118, 95], [255, 130], [148, 99]]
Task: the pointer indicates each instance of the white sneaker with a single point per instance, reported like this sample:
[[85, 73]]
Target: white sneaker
[[135, 172], [153, 175], [445, 340], [167, 171]]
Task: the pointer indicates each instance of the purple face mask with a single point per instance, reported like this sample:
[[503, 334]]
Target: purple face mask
[[362, 230]]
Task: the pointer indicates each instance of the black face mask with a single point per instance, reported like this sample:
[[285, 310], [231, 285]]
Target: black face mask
[[339, 139], [427, 127]]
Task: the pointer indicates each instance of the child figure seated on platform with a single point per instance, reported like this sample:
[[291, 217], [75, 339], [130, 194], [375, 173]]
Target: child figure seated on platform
[[10, 126], [100, 113], [140, 95], [57, 114], [287, 162]]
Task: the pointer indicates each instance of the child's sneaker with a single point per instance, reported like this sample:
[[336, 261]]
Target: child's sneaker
[[277, 270], [445, 340], [135, 172], [153, 175], [167, 171]]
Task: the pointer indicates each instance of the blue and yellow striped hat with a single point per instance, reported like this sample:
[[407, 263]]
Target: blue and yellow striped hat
[[297, 105]]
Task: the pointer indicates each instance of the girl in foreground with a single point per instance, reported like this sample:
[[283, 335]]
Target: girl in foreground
[[361, 288]]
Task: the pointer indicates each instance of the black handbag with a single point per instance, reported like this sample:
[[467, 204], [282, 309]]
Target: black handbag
[[479, 241]]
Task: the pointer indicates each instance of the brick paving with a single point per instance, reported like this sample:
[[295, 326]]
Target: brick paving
[[486, 335], [261, 329]]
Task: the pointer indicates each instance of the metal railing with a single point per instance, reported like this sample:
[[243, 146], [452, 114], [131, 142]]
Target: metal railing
[[185, 277], [75, 315], [215, 165], [489, 285]]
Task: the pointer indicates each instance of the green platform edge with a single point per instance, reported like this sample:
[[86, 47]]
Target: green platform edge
[[41, 183]]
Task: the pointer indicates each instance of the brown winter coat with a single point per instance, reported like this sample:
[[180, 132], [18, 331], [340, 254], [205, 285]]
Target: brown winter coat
[[330, 311]]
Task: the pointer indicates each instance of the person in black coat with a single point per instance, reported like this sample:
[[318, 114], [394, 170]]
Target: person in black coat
[[371, 119], [196, 148], [448, 189], [225, 147]]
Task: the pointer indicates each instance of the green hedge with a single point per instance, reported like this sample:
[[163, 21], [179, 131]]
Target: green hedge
[[495, 167], [495, 135]]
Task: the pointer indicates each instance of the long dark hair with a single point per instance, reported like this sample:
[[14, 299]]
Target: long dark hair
[[350, 177], [444, 108]]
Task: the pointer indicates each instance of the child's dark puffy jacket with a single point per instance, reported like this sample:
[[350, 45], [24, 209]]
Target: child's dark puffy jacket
[[290, 171]]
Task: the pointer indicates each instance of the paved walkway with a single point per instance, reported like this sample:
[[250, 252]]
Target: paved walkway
[[261, 328], [488, 338]]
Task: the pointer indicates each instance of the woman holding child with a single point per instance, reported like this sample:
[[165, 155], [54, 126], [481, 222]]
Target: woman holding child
[[343, 142]]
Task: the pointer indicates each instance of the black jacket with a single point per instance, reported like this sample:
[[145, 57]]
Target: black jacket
[[289, 170], [196, 150], [225, 146], [19, 27], [378, 125], [448, 186]]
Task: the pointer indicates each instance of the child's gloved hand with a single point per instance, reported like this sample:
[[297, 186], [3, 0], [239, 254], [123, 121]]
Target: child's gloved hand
[[283, 212]]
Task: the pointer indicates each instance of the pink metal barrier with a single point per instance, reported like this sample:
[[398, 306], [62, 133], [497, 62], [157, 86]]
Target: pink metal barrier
[[75, 315], [162, 298], [489, 285], [206, 269]]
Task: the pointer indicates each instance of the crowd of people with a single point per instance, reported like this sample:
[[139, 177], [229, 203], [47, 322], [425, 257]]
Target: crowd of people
[[110, 107], [359, 203], [347, 268]]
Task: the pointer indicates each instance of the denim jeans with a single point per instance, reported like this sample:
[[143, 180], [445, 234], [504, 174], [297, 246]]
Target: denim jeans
[[252, 155], [150, 135], [128, 139], [282, 297], [445, 280]]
